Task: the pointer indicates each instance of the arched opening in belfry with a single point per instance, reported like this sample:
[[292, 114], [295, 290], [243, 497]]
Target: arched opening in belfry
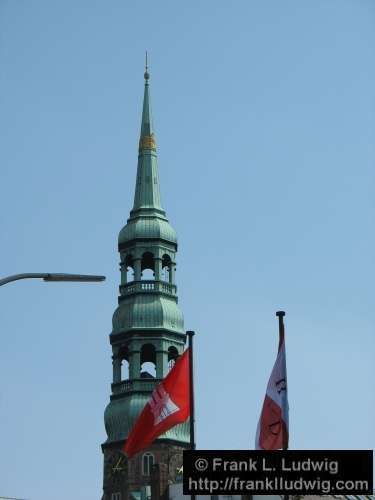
[[172, 356], [124, 357], [148, 361], [166, 264], [129, 268], [147, 266]]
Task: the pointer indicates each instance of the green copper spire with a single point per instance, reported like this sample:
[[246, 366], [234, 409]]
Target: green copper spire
[[147, 128], [147, 191], [147, 328]]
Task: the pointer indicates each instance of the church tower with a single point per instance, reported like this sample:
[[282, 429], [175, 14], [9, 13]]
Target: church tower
[[148, 330]]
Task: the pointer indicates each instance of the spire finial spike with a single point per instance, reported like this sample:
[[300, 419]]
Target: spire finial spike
[[147, 74]]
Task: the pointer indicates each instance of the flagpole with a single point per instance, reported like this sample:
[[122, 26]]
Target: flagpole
[[190, 335], [280, 315]]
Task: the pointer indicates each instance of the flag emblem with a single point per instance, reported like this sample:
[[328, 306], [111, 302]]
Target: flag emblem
[[161, 404]]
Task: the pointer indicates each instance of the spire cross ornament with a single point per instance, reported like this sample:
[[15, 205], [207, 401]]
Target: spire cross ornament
[[147, 74]]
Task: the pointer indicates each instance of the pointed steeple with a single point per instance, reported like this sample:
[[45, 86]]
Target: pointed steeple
[[147, 128], [147, 191]]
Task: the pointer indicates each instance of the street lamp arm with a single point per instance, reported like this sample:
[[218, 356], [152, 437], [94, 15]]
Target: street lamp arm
[[23, 276], [72, 277], [52, 277]]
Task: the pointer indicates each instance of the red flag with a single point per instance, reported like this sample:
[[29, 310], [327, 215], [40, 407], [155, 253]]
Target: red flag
[[168, 406], [273, 426]]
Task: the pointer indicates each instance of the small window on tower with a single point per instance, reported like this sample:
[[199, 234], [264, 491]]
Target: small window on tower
[[147, 463], [128, 268], [125, 369], [148, 266], [172, 356], [129, 274], [116, 496], [123, 356], [148, 361], [166, 264]]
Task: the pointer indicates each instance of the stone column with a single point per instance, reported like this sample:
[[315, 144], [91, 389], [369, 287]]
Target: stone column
[[137, 269], [116, 363], [171, 273], [157, 269], [161, 364], [135, 364], [123, 273]]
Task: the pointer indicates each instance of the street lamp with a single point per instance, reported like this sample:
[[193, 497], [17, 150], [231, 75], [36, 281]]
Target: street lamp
[[52, 277], [49, 277]]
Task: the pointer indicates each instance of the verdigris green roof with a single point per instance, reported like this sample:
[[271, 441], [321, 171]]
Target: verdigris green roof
[[147, 227], [147, 126], [147, 189], [148, 311], [120, 416]]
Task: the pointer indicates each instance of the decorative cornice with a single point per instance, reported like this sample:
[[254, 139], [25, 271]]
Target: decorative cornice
[[131, 243], [140, 333], [119, 444]]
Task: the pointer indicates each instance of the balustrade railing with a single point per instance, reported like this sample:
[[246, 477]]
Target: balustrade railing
[[147, 385], [148, 286]]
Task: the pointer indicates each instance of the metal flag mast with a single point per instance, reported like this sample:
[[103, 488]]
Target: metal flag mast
[[280, 315], [190, 335]]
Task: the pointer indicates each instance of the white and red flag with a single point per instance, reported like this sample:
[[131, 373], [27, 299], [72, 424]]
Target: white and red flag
[[273, 426], [168, 406]]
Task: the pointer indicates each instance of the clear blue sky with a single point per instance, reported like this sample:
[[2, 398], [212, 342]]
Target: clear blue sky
[[264, 115]]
